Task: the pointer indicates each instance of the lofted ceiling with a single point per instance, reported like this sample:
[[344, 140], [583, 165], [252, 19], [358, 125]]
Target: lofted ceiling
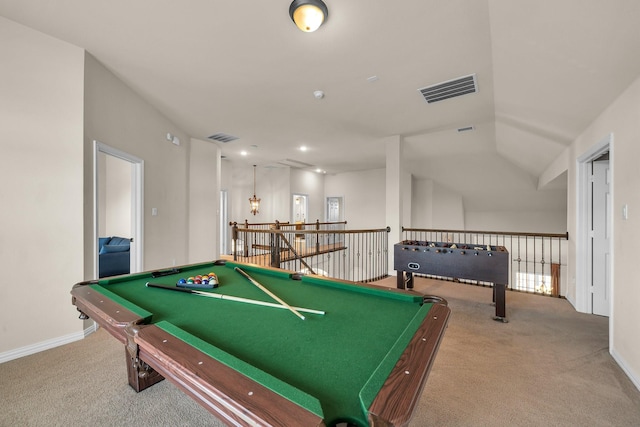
[[544, 71]]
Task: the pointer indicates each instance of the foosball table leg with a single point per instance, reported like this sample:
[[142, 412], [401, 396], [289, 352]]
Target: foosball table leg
[[499, 298], [404, 280]]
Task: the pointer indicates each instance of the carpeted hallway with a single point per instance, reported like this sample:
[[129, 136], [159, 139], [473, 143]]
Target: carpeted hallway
[[548, 366]]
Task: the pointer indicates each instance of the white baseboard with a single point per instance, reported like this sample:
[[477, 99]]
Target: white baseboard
[[623, 365], [46, 345]]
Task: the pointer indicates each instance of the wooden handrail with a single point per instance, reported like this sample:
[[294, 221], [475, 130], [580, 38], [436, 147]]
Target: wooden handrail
[[276, 231], [247, 223], [499, 233]]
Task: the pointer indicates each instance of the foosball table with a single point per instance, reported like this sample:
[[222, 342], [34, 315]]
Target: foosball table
[[484, 263]]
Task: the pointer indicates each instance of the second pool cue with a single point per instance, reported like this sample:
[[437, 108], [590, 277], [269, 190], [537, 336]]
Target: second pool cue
[[268, 292], [231, 298]]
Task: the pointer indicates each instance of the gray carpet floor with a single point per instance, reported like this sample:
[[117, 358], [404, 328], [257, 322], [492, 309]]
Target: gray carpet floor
[[548, 366]]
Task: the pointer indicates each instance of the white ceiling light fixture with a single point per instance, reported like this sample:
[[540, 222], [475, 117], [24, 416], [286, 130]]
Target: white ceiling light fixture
[[308, 15]]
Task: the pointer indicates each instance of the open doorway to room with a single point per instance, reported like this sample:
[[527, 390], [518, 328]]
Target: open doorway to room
[[601, 235], [299, 216], [118, 199], [299, 208], [594, 238], [224, 223]]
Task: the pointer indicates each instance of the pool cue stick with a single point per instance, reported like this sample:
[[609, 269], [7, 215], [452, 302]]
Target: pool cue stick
[[268, 292], [232, 298]]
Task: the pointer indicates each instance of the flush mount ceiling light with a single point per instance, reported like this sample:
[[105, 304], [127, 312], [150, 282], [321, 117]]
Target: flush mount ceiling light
[[308, 15]]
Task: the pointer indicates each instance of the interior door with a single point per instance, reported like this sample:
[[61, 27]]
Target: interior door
[[601, 240], [334, 213]]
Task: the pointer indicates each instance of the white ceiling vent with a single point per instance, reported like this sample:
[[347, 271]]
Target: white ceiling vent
[[450, 89], [294, 163], [222, 137]]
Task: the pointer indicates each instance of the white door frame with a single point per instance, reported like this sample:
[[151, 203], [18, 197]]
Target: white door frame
[[601, 237], [137, 203], [584, 301], [224, 222], [304, 200]]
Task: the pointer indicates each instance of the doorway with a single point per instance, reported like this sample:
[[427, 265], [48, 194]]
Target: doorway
[[299, 208], [224, 222], [594, 237], [118, 201]]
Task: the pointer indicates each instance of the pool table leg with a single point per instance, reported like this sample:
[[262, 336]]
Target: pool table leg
[[141, 375]]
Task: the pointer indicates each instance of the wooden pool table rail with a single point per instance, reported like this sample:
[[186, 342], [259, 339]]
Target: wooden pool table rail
[[153, 354]]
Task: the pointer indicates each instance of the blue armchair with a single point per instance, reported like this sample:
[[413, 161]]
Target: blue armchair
[[113, 256]]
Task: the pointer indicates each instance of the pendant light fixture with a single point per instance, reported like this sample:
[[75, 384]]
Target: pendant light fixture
[[254, 202], [308, 15]]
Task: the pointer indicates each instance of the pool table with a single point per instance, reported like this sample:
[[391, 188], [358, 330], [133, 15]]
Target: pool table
[[363, 362]]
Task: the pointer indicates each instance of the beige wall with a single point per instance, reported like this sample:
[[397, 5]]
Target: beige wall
[[41, 242]]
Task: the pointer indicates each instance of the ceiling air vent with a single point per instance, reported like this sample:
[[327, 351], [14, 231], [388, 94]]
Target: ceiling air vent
[[449, 89], [294, 163], [465, 129], [222, 137]]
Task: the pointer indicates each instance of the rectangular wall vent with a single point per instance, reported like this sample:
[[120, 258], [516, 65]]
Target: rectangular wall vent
[[465, 129], [449, 89], [222, 137], [294, 163]]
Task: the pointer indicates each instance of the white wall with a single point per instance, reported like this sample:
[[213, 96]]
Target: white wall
[[528, 221], [41, 216], [118, 117], [204, 201], [272, 188], [435, 206], [422, 196], [363, 194], [623, 119], [311, 184], [117, 201], [448, 209]]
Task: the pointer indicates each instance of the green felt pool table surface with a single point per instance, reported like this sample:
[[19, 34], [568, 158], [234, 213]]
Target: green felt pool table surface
[[332, 365]]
